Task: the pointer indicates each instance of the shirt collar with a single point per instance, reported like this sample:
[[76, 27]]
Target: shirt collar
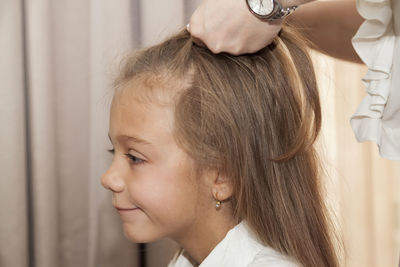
[[237, 249]]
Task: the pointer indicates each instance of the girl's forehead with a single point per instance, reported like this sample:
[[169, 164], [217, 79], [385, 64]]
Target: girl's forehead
[[132, 115], [151, 88], [132, 104], [145, 103]]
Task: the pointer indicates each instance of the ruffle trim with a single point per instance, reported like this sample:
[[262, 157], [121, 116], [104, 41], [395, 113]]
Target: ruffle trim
[[374, 43]]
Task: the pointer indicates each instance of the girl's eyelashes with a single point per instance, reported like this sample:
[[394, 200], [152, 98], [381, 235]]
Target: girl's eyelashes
[[133, 160]]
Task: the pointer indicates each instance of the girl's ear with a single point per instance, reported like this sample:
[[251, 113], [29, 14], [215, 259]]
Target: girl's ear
[[221, 185]]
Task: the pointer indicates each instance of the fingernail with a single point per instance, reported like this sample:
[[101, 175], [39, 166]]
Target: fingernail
[[188, 27]]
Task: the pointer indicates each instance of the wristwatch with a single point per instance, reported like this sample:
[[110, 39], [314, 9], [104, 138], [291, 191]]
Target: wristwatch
[[268, 9]]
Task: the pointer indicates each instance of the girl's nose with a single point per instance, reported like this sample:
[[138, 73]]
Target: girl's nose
[[112, 180]]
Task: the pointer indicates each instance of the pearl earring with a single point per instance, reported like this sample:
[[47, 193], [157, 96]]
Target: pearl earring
[[218, 202], [218, 205]]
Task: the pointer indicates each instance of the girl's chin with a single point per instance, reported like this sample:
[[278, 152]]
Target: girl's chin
[[139, 236]]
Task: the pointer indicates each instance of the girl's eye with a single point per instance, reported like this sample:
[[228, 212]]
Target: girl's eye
[[134, 160]]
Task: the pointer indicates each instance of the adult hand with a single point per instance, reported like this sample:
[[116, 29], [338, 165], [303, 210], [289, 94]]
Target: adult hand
[[229, 26]]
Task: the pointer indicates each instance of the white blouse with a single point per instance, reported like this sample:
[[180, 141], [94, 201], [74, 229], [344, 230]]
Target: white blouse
[[239, 248], [377, 42]]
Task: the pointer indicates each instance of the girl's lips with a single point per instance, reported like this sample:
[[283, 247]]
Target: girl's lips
[[125, 209], [126, 214]]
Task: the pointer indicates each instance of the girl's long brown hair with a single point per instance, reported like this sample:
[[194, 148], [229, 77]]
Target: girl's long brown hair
[[254, 118]]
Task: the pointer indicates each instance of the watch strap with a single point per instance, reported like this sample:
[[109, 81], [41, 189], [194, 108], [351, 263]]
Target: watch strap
[[282, 12]]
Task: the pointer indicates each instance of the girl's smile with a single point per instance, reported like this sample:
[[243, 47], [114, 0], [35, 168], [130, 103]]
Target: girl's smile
[[126, 210], [128, 214]]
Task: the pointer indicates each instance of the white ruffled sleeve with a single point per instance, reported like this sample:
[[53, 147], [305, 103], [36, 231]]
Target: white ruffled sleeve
[[378, 116]]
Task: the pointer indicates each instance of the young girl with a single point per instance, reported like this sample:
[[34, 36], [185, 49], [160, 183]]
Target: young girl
[[216, 152]]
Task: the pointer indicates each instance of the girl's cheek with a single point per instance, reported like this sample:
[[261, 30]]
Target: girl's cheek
[[142, 189]]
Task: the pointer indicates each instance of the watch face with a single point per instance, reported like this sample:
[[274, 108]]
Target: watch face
[[261, 7]]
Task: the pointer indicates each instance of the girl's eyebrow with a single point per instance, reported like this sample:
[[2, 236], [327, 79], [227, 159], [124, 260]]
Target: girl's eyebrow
[[133, 139]]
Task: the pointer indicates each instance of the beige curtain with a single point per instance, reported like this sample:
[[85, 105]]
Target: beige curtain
[[57, 59]]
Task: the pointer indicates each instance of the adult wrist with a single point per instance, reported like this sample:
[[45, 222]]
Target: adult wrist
[[269, 10], [290, 3]]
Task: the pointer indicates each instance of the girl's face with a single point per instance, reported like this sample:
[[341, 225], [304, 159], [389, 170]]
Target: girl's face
[[152, 180]]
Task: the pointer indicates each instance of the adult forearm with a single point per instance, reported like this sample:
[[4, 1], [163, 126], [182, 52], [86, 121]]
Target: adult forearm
[[330, 26], [288, 3]]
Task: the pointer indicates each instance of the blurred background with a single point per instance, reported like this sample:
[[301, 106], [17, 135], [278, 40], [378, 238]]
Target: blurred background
[[57, 60]]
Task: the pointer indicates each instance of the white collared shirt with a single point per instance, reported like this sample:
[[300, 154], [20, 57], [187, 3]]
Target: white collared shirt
[[239, 248]]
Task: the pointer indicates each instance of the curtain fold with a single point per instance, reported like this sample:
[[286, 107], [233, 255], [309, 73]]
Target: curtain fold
[[43, 133], [13, 164]]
